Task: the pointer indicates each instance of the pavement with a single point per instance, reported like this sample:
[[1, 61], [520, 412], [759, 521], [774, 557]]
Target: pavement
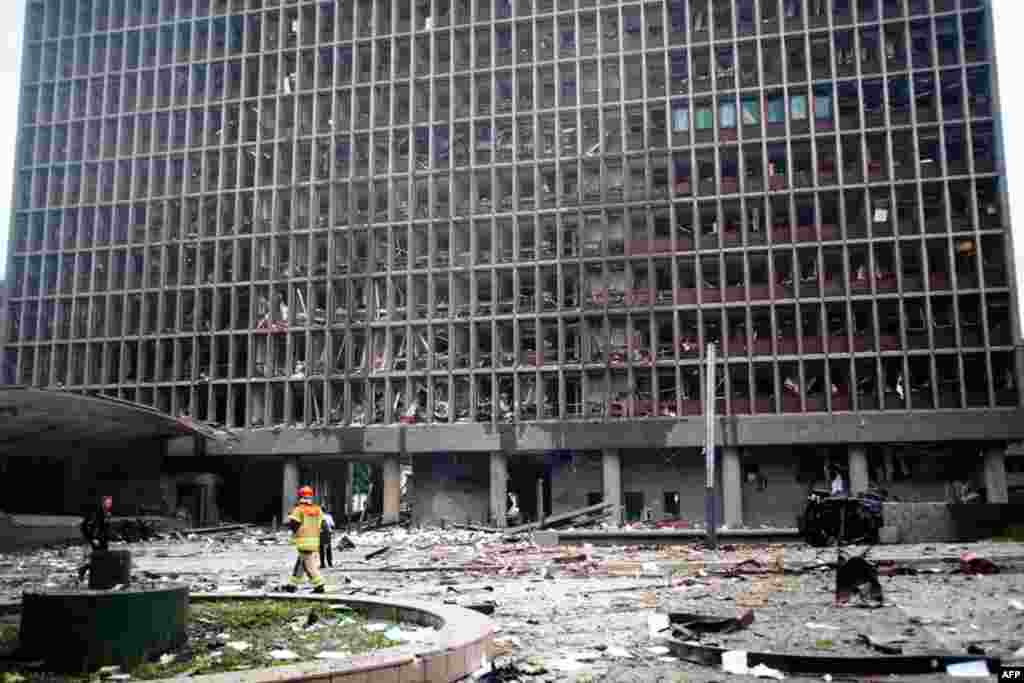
[[582, 613]]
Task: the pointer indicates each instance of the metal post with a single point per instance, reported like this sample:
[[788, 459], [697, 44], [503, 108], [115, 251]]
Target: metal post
[[710, 502]]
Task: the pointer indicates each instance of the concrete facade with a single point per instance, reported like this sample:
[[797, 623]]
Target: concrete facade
[[427, 278]]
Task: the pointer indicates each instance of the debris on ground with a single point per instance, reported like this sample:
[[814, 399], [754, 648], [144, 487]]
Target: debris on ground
[[702, 623], [735, 662], [377, 553], [857, 576], [886, 644], [973, 565]]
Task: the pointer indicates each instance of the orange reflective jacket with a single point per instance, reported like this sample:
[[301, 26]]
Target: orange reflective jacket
[[309, 517]]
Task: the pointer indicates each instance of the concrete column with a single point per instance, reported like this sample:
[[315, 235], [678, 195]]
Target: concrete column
[[349, 483], [392, 475], [732, 487], [611, 477], [540, 499], [995, 475], [859, 477], [499, 489], [289, 486]]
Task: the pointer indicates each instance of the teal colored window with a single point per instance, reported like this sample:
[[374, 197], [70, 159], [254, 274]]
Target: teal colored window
[[776, 110], [751, 112], [705, 119], [798, 107], [823, 106]]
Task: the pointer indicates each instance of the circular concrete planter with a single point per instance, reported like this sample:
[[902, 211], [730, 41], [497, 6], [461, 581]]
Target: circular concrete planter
[[460, 648], [84, 630], [463, 638]]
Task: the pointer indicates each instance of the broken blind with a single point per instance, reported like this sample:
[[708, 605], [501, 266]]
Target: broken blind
[[677, 15], [798, 107], [776, 109], [681, 168], [872, 96], [724, 57], [777, 159], [745, 14], [680, 116], [727, 114], [568, 40], [751, 111], [678, 68], [441, 138], [823, 102], [632, 23]]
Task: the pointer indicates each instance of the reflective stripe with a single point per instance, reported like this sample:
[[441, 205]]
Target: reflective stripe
[[307, 537]]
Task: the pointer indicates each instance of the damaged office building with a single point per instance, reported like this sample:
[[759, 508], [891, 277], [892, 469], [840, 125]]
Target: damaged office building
[[485, 243]]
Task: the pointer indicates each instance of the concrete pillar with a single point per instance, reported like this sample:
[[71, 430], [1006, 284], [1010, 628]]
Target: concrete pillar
[[859, 477], [349, 483], [732, 488], [499, 489], [611, 477], [540, 499], [995, 475], [392, 475], [289, 486]]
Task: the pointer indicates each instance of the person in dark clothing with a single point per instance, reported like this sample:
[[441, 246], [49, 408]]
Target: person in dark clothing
[[326, 530], [96, 526]]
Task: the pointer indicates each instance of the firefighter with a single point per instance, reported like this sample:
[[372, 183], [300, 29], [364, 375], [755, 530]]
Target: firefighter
[[304, 522]]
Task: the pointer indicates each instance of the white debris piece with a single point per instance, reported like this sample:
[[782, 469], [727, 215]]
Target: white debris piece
[[329, 654], [658, 624], [658, 650], [377, 628], [618, 652], [735, 662], [976, 669], [1017, 605], [239, 645], [283, 655], [821, 627], [167, 659]]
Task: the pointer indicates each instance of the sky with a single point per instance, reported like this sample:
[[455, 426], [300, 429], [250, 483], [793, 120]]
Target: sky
[[1008, 18], [12, 15]]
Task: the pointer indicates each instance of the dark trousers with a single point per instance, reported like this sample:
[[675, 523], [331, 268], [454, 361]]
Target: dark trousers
[[326, 551]]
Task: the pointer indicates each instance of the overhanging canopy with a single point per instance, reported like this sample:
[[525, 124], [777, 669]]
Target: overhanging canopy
[[30, 418]]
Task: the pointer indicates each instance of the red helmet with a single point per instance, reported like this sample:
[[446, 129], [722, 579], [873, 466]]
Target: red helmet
[[306, 492]]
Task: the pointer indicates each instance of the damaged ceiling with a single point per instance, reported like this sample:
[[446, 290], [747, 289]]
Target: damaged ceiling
[[30, 418]]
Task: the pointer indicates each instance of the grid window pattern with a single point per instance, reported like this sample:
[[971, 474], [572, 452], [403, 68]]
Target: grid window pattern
[[367, 212]]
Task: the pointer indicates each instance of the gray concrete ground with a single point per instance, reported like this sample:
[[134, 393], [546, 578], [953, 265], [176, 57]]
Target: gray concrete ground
[[586, 619]]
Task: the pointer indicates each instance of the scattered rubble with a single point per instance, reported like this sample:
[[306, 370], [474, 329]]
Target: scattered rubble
[[602, 608]]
